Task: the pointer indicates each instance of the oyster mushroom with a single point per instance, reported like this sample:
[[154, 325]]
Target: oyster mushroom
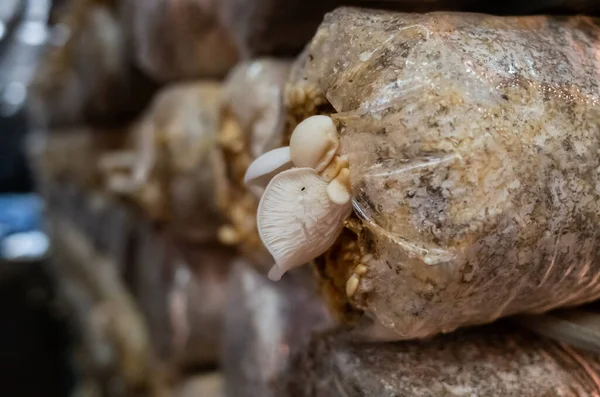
[[313, 144], [297, 221], [302, 210]]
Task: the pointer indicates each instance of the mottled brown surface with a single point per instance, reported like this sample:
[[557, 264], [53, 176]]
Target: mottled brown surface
[[177, 40], [252, 123], [473, 152], [488, 362], [265, 324]]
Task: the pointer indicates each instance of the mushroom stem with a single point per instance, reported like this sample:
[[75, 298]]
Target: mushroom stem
[[276, 273], [333, 169], [338, 190], [265, 167]]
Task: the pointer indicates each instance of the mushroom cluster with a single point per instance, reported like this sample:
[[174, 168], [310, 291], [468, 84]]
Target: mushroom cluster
[[306, 195]]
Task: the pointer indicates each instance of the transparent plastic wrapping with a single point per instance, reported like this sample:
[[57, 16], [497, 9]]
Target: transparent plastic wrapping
[[252, 123], [492, 361], [472, 142], [170, 169], [266, 324], [177, 40]]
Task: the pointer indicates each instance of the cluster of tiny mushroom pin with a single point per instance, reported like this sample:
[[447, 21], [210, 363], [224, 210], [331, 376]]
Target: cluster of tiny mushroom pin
[[306, 195]]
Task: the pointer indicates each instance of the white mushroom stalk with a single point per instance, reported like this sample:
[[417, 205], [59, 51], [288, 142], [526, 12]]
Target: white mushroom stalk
[[271, 163], [303, 209]]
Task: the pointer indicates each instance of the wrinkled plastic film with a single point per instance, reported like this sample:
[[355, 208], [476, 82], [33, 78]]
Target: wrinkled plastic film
[[472, 144]]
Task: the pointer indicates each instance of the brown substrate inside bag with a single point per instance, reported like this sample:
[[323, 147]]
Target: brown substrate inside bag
[[492, 361], [266, 324], [303, 99], [334, 269], [472, 165], [234, 198], [252, 122]]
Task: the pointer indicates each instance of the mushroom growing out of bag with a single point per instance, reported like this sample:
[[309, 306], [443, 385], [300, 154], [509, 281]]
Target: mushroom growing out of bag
[[471, 143], [302, 210], [252, 122]]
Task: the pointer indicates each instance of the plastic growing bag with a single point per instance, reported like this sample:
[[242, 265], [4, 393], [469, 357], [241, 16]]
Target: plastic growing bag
[[493, 361], [252, 122], [473, 146], [169, 170]]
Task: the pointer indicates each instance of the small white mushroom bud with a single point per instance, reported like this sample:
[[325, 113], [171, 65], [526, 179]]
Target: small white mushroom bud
[[337, 164], [339, 189], [314, 143], [260, 172], [296, 219]]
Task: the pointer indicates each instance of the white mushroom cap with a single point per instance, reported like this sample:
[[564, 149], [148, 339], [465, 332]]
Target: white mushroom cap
[[314, 142], [296, 219], [266, 166]]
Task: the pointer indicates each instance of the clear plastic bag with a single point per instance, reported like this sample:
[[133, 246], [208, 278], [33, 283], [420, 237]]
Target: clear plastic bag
[[252, 122], [473, 147]]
